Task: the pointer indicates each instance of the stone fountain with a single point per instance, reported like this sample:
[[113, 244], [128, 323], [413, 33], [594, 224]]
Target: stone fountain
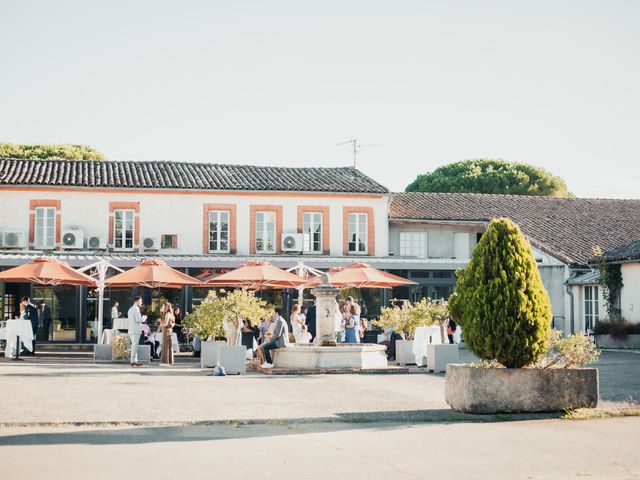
[[324, 353]]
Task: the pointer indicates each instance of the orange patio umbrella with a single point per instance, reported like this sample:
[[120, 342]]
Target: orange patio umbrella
[[362, 275], [152, 273], [47, 271], [256, 275]]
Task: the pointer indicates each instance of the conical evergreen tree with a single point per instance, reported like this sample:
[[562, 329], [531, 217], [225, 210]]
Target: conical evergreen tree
[[500, 301]]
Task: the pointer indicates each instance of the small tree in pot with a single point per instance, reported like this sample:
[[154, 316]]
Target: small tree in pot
[[505, 313]]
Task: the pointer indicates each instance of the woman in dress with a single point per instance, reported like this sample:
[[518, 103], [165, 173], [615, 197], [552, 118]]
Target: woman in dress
[[297, 321], [352, 325], [167, 321]]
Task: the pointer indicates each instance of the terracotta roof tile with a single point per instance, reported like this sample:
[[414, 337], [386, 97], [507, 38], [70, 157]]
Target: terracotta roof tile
[[182, 175], [568, 228]]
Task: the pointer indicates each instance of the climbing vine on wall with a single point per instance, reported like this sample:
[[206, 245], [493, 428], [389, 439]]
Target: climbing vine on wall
[[611, 283]]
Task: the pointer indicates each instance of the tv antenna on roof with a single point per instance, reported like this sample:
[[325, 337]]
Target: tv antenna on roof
[[356, 148]]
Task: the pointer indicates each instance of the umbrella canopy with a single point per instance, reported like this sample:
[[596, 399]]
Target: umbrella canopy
[[47, 271], [362, 275], [152, 273], [257, 275]]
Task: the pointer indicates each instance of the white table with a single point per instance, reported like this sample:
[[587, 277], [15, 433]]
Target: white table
[[120, 323], [176, 346], [15, 328]]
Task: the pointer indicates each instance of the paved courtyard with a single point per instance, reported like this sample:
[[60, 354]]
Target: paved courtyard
[[84, 418]]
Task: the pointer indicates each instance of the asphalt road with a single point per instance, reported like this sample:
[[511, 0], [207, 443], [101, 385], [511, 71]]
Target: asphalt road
[[542, 449]]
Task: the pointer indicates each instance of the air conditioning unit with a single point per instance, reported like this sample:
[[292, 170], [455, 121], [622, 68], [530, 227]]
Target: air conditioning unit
[[151, 243], [292, 242], [97, 243], [13, 240], [72, 239]]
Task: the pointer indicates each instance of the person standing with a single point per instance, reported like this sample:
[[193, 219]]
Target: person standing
[[296, 321], [115, 314], [311, 321], [352, 325], [45, 317], [31, 314], [167, 321], [134, 330], [177, 327]]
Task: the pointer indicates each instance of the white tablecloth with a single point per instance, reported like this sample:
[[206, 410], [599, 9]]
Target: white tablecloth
[[176, 346], [421, 338], [120, 323], [14, 328], [107, 337]]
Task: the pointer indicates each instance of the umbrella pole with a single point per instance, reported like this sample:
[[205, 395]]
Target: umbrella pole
[[102, 273]]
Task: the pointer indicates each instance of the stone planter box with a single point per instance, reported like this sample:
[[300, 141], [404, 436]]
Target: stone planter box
[[404, 352], [232, 358], [439, 356], [104, 353], [519, 390], [607, 341], [307, 357]]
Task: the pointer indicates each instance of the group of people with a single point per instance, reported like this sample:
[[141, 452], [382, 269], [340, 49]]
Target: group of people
[[350, 322], [138, 330]]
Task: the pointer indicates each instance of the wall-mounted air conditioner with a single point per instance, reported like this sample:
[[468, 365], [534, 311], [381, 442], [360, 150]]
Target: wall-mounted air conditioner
[[292, 242], [151, 243], [72, 239], [97, 243], [13, 240]]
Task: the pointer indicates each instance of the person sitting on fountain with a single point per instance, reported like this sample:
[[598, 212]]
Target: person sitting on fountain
[[278, 340]]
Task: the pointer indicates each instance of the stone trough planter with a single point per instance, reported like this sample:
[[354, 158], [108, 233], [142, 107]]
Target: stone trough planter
[[519, 390], [607, 341]]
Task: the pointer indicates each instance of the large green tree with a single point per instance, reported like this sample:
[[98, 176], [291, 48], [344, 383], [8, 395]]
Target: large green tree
[[500, 301], [47, 151], [490, 176]]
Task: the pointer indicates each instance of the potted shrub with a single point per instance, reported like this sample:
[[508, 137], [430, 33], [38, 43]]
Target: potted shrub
[[505, 314], [220, 316], [619, 333]]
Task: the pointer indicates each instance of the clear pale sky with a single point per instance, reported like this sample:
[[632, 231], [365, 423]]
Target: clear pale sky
[[549, 82]]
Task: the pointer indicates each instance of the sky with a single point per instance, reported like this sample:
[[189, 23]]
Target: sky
[[553, 83]]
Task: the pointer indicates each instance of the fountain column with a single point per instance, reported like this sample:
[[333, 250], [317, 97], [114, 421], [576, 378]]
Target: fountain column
[[325, 312]]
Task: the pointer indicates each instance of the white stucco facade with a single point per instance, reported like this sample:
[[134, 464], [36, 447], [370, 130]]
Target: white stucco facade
[[181, 213], [630, 293]]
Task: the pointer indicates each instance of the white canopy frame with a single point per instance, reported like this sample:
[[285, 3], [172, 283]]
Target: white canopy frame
[[98, 270], [304, 271]]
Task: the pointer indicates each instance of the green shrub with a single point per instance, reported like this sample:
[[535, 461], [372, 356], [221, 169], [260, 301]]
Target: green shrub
[[500, 301], [575, 351], [409, 317], [619, 329]]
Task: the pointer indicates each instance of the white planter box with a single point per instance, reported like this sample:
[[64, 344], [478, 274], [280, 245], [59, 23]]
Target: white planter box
[[404, 352], [209, 353], [232, 358], [438, 356]]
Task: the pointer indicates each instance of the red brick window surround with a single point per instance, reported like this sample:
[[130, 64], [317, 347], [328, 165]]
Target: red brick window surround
[[324, 211], [370, 230], [253, 215], [134, 207], [45, 224], [215, 242]]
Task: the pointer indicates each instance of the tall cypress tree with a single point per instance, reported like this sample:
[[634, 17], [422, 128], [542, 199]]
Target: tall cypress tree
[[500, 301]]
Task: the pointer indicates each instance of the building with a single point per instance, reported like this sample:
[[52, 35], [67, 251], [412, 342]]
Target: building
[[628, 257], [203, 218]]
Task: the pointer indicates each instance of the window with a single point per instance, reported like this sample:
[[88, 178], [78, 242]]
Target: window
[[45, 233], [123, 229], [312, 230], [357, 233], [169, 241], [219, 231], [265, 232], [413, 244], [591, 307]]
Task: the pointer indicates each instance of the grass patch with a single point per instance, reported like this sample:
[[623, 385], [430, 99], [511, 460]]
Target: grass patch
[[627, 409]]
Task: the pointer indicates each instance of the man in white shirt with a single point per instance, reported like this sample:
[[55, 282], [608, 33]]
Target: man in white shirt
[[135, 329], [115, 314]]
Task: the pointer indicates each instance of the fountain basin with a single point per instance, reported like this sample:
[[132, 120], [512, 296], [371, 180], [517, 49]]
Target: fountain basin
[[349, 355]]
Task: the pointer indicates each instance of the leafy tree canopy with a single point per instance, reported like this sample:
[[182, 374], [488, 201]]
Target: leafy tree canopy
[[53, 152], [490, 176]]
